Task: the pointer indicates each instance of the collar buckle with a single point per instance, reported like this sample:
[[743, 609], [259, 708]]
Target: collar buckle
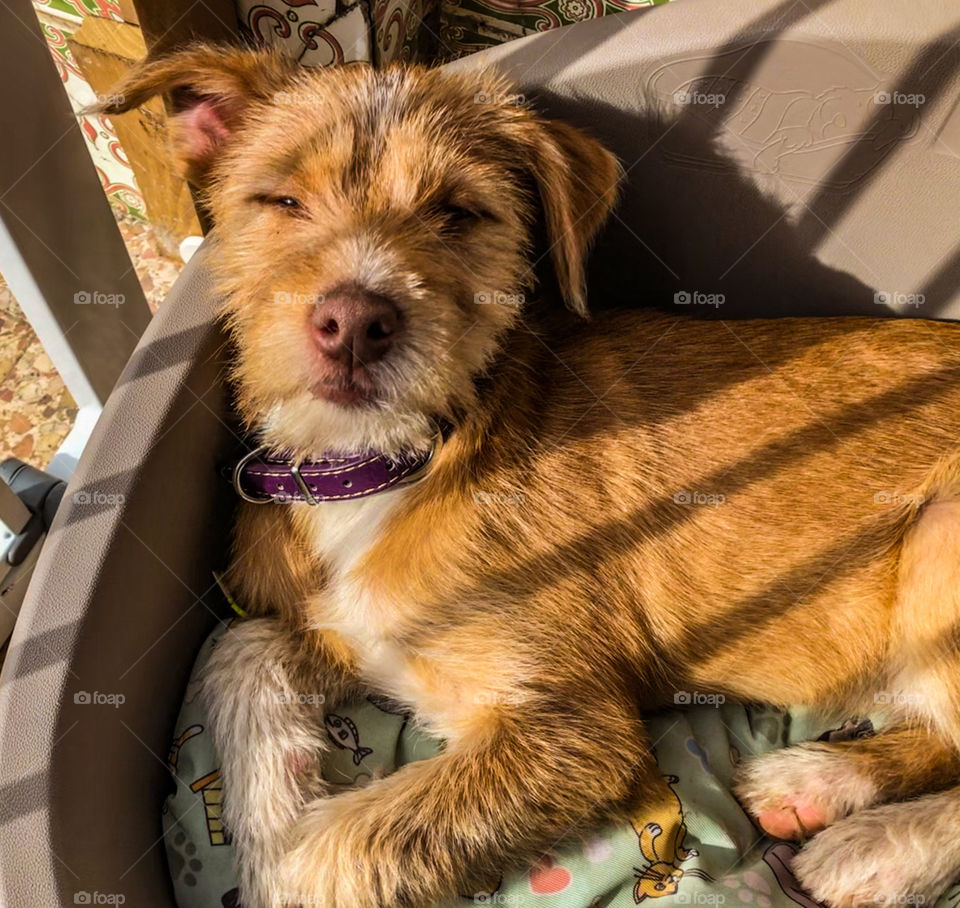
[[238, 476], [308, 496]]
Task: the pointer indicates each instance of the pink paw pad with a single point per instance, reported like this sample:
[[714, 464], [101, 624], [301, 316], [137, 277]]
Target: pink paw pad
[[793, 822]]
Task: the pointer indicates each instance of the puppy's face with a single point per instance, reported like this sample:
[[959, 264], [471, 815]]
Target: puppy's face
[[374, 233]]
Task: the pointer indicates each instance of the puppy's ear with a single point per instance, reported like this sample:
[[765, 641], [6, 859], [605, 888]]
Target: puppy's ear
[[213, 89], [578, 181]]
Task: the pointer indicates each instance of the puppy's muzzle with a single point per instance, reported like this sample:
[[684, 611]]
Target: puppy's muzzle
[[353, 327]]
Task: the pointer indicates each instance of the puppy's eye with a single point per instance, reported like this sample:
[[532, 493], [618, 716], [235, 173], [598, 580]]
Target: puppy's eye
[[283, 202], [287, 202], [455, 217], [458, 215]]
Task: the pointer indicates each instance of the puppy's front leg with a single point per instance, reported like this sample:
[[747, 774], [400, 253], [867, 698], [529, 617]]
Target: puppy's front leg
[[490, 802], [263, 689]]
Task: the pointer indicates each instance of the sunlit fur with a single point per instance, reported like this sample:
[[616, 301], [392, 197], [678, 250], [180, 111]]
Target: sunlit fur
[[372, 156], [625, 507]]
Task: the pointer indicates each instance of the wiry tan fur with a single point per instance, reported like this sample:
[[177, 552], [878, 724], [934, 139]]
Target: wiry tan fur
[[626, 506]]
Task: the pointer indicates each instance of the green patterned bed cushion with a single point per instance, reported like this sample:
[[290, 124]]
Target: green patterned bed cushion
[[695, 847]]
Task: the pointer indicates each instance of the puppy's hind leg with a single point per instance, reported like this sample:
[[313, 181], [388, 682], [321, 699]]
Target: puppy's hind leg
[[925, 638], [801, 790], [269, 735], [909, 852], [906, 853]]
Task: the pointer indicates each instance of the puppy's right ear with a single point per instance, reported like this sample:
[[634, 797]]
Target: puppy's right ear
[[213, 89]]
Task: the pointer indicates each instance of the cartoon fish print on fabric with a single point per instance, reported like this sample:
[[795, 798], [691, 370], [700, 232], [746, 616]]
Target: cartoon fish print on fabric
[[343, 732], [694, 747], [662, 830]]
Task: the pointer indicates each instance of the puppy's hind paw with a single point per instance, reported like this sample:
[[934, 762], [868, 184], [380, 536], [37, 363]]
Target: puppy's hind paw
[[796, 792], [871, 859]]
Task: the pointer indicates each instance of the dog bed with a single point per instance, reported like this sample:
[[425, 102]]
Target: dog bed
[[695, 847], [119, 605]]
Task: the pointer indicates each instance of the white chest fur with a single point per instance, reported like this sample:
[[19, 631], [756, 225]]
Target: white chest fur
[[344, 532], [445, 702]]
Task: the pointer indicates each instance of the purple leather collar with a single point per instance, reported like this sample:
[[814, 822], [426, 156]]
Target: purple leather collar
[[260, 478]]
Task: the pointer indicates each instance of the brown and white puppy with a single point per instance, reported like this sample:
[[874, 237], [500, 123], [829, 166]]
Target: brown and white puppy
[[626, 507]]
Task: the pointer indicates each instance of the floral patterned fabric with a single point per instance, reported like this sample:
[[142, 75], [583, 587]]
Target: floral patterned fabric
[[80, 8], [319, 32], [323, 32], [112, 166], [471, 25]]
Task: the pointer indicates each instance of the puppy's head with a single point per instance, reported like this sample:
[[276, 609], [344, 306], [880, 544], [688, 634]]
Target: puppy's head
[[374, 232]]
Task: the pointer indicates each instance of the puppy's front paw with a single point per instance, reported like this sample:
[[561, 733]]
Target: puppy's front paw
[[796, 792], [340, 858], [878, 857]]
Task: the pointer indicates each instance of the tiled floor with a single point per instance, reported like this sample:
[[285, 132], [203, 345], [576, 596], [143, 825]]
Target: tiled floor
[[156, 272], [36, 410]]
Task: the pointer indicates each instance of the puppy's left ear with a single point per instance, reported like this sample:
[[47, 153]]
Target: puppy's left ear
[[578, 181]]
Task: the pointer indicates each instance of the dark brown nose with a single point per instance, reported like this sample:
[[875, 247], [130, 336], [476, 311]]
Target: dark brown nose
[[353, 326]]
